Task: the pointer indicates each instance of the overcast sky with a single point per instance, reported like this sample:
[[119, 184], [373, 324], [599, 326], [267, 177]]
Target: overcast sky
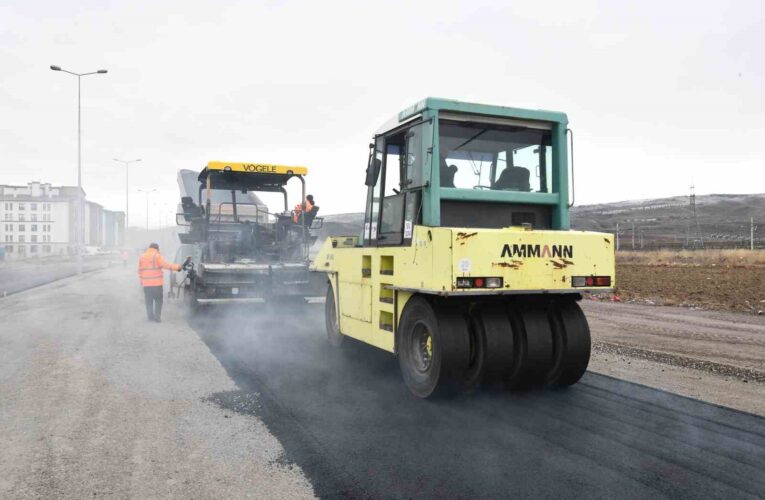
[[660, 94]]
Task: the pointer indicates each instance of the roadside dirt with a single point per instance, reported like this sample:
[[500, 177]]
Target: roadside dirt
[[726, 288]]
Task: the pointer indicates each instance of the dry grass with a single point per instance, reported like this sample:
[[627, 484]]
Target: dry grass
[[712, 258]]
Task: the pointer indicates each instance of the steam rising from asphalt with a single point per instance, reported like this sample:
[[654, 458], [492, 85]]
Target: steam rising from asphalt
[[345, 416]]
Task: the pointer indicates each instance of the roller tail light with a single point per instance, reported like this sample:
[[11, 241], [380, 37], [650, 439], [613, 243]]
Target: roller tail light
[[587, 281]]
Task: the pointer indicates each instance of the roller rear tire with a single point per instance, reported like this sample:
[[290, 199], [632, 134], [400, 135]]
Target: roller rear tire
[[433, 348], [332, 325], [532, 325], [572, 344], [501, 357], [475, 371]]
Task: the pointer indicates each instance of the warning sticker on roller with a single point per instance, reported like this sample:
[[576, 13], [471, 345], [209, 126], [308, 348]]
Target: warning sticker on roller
[[407, 229], [465, 265]]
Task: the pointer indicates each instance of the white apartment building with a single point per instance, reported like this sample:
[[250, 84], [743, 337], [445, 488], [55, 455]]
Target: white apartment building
[[38, 220]]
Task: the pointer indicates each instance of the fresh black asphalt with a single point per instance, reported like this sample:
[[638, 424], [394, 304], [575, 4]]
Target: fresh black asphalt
[[345, 417]]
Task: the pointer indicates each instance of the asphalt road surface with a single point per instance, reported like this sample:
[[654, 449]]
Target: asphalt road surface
[[98, 402], [345, 417]]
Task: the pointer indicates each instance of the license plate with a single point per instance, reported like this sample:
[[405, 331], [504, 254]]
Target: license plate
[[234, 291]]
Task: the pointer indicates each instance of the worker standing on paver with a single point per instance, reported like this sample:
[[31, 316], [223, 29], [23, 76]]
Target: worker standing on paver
[[302, 209], [150, 266]]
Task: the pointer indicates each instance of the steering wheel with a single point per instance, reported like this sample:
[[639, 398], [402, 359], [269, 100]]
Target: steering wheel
[[480, 186]]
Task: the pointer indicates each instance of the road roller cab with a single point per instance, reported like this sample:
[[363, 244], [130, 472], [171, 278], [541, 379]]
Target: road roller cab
[[466, 267]]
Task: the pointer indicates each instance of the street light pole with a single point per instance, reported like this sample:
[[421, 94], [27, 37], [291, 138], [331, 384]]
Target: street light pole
[[80, 219], [147, 192], [127, 191]]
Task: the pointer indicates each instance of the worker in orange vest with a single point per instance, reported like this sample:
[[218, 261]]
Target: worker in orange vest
[[150, 266], [303, 208]]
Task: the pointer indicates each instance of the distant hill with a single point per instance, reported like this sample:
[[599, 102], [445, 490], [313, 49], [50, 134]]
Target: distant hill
[[341, 225], [722, 221]]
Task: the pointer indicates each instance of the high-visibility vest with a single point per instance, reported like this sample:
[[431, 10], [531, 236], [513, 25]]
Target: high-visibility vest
[[299, 209], [150, 266]]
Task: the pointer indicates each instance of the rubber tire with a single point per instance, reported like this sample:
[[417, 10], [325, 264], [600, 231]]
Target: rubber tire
[[536, 344], [475, 371], [331, 324], [502, 357], [572, 344], [450, 349]]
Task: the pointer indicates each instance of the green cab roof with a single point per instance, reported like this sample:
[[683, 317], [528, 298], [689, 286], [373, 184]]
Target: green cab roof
[[439, 104]]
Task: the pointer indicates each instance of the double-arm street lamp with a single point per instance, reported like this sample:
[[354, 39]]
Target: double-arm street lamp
[[127, 195], [80, 219], [147, 192]]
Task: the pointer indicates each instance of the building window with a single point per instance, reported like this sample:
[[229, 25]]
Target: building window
[[33, 228], [9, 249], [46, 207], [21, 238], [8, 216], [33, 249], [46, 248], [8, 238], [21, 206], [33, 206], [34, 217], [21, 218], [34, 238], [9, 206], [22, 228]]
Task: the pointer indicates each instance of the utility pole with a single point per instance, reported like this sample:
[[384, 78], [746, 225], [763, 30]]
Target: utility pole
[[127, 196], [694, 214], [80, 212], [751, 233], [147, 192], [617, 237], [633, 235]]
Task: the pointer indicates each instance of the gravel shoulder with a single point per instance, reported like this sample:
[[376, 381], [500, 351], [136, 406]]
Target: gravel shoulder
[[715, 356], [97, 402]]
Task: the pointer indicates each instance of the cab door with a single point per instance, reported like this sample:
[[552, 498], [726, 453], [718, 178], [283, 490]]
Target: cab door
[[406, 154]]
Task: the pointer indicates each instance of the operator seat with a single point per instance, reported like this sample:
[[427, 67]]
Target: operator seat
[[447, 175], [190, 209], [311, 215], [513, 179]]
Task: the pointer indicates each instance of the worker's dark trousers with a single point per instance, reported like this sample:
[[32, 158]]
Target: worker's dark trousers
[[153, 296]]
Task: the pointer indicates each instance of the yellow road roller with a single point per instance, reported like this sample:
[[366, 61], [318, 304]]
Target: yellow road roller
[[466, 268]]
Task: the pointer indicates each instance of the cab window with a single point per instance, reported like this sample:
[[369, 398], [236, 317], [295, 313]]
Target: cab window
[[417, 141], [495, 157], [393, 205]]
